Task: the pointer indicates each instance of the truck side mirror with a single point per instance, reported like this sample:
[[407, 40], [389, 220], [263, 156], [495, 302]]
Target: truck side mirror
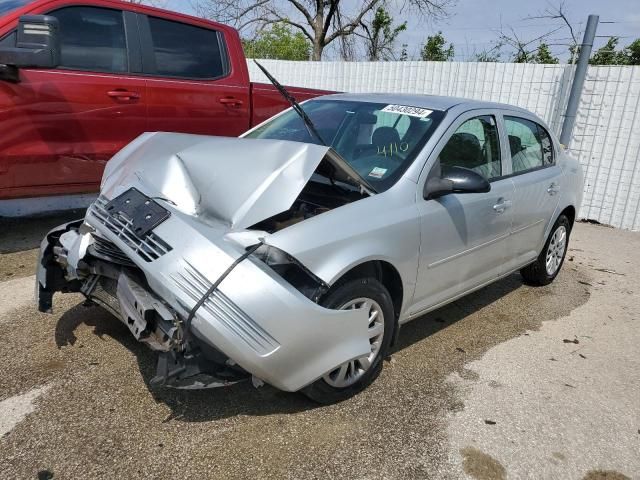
[[37, 46]]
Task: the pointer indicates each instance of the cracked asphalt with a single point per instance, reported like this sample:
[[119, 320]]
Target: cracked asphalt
[[509, 382]]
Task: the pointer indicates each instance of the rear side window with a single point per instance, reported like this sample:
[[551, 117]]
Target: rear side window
[[530, 144], [475, 146], [182, 50], [92, 39]]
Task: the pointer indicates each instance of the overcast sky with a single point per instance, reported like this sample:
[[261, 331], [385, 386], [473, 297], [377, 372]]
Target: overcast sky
[[473, 24]]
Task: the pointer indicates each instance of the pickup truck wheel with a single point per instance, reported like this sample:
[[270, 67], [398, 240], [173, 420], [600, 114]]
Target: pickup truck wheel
[[547, 266], [352, 377]]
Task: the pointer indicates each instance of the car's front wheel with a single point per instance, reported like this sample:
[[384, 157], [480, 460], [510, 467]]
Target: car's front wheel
[[547, 266], [352, 377]]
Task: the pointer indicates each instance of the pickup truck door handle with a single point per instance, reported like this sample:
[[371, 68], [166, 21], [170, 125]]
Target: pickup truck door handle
[[502, 205], [121, 94], [232, 102], [553, 189]]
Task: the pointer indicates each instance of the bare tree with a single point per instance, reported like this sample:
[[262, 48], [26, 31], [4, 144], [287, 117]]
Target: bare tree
[[379, 35], [525, 49], [488, 55], [531, 50], [321, 21], [560, 13], [557, 13], [346, 43]]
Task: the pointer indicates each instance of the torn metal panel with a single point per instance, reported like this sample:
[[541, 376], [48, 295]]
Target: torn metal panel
[[149, 319], [255, 318], [237, 181]]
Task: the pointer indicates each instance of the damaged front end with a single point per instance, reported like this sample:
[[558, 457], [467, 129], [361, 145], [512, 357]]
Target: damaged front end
[[75, 258], [191, 274]]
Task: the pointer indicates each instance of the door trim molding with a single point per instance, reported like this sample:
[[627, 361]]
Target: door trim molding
[[473, 249], [520, 229], [469, 250]]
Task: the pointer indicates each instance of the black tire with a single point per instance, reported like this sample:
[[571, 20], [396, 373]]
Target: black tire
[[536, 273], [322, 392]]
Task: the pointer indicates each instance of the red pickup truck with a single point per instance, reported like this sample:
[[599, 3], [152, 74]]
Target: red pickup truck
[[79, 79]]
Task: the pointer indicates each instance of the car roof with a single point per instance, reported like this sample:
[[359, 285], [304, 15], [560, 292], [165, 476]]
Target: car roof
[[432, 102]]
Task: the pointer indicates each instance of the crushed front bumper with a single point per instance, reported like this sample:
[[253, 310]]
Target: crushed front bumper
[[254, 318]]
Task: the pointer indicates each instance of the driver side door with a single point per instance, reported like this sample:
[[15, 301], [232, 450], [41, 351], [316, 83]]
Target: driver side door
[[60, 126], [464, 236]]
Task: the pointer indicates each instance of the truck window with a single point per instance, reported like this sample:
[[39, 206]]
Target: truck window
[[8, 40], [92, 39], [182, 50]]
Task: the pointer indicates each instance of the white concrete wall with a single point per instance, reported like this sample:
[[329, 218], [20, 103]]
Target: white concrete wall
[[606, 137]]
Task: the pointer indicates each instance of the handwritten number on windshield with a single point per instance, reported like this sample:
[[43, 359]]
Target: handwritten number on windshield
[[393, 148]]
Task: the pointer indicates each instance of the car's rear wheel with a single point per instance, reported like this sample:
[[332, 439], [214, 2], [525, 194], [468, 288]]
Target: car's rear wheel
[[547, 266], [352, 377]]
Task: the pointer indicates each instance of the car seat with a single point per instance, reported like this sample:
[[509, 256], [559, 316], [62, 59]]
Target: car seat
[[462, 150], [382, 137]]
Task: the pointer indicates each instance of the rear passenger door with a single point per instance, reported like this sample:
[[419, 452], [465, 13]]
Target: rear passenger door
[[191, 85], [537, 180]]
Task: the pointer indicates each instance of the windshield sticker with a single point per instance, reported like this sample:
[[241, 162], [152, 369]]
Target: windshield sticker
[[407, 110], [377, 172]]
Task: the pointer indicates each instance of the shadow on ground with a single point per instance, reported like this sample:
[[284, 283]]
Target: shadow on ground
[[431, 323], [214, 404], [20, 239], [187, 405], [19, 234]]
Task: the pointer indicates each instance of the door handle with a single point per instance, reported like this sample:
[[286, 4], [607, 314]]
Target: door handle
[[232, 102], [553, 189], [123, 95], [502, 205]]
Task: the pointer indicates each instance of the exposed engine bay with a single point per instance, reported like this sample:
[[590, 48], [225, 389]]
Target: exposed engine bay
[[316, 198]]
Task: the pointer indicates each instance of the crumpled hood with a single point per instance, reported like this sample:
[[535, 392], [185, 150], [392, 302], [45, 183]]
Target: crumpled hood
[[234, 180]]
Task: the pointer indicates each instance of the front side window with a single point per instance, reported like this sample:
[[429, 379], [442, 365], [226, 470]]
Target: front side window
[[92, 39], [378, 140], [182, 50], [475, 146], [530, 145]]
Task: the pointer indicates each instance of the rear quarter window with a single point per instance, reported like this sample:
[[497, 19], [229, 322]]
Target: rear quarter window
[[186, 51]]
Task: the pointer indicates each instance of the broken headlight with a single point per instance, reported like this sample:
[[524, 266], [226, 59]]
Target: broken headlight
[[292, 271]]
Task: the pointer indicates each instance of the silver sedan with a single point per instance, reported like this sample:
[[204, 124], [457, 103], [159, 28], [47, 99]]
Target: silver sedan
[[292, 255]]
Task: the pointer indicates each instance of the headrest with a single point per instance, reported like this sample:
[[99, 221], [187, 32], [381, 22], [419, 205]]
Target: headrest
[[385, 136], [463, 150], [515, 144]]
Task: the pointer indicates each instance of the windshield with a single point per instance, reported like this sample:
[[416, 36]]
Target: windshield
[[378, 140], [7, 6]]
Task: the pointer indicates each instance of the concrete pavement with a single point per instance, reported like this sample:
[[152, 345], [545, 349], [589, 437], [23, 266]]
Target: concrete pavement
[[509, 382]]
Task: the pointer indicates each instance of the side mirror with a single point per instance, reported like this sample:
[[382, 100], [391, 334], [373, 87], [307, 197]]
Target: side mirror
[[37, 45], [455, 180]]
